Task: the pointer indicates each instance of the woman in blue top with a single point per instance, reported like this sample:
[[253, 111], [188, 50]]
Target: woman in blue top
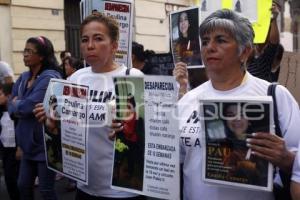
[[29, 90]]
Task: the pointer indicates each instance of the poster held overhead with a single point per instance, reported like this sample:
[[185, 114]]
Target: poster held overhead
[[184, 32], [122, 11]]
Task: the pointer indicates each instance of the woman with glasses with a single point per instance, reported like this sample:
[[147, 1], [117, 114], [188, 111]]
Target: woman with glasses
[[29, 90]]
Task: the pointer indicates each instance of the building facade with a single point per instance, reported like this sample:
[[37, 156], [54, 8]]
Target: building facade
[[21, 19]]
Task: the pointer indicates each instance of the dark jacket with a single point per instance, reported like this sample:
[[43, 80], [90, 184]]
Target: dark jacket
[[29, 131]]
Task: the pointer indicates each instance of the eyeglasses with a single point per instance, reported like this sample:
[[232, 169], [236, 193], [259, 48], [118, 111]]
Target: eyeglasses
[[29, 52]]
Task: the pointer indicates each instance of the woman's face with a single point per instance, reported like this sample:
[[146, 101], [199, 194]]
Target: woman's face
[[184, 24], [30, 56], [236, 122], [220, 52], [69, 70], [53, 110], [96, 45]]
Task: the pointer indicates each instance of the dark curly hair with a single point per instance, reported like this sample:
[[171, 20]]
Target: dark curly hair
[[45, 49]]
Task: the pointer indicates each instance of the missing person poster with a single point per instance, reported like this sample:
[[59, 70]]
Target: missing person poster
[[122, 11], [184, 32], [146, 159], [227, 158], [65, 130]]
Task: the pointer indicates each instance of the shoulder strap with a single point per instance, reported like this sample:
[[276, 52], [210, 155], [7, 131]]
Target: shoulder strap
[[271, 92], [127, 71]]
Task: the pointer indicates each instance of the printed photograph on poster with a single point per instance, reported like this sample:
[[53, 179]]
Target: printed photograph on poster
[[130, 143], [52, 132], [121, 10], [146, 106], [184, 30], [209, 6], [247, 8], [65, 130], [228, 160]]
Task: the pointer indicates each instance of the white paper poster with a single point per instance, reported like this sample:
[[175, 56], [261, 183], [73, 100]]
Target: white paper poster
[[122, 11], [65, 130], [247, 8], [209, 6]]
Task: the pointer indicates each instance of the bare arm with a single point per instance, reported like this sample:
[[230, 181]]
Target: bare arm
[[274, 37], [295, 190], [181, 75]]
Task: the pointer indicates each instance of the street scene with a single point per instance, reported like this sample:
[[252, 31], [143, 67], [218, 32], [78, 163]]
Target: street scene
[[149, 100]]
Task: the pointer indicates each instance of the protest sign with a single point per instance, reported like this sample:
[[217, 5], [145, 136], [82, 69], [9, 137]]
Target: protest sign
[[146, 159], [122, 11], [227, 159], [184, 32], [65, 130]]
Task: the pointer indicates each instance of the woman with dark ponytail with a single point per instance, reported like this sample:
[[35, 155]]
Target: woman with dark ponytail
[[29, 90]]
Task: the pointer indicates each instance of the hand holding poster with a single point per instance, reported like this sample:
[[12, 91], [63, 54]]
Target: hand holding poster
[[227, 159], [145, 107], [185, 37], [65, 130]]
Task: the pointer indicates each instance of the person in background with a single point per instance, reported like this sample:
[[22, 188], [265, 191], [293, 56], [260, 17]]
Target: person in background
[[11, 155], [140, 59], [63, 55], [71, 65], [99, 43], [276, 63], [30, 89], [6, 73], [263, 55], [226, 43]]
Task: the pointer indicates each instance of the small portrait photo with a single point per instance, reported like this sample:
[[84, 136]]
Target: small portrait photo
[[52, 132], [185, 37]]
